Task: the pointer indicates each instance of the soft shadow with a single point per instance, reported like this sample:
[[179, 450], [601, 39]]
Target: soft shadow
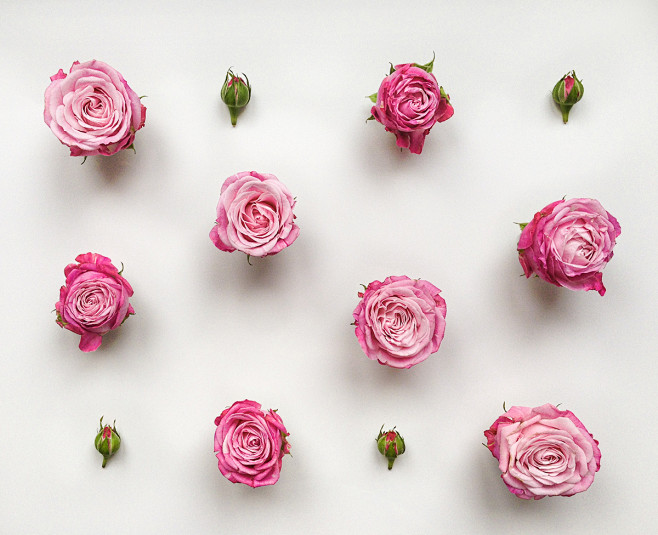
[[114, 167]]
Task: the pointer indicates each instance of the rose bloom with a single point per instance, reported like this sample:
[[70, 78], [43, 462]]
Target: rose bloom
[[401, 321], [254, 215], [543, 451], [92, 110], [250, 444], [568, 243], [409, 103], [94, 299]]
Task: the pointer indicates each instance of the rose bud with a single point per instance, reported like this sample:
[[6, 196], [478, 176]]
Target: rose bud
[[236, 94], [567, 92], [107, 441], [390, 444]]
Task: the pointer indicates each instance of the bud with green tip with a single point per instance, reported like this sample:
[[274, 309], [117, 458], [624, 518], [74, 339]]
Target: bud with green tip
[[236, 93], [107, 441], [390, 444], [567, 92]]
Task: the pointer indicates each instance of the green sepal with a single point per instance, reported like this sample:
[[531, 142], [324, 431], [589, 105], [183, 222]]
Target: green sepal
[[427, 67], [373, 98], [522, 225], [371, 118]]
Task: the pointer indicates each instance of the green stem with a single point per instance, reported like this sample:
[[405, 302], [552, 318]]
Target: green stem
[[234, 114], [390, 463], [104, 462]]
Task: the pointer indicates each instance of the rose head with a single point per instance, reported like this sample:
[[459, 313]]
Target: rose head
[[400, 322], [409, 103], [543, 451], [93, 110], [94, 299], [568, 243], [254, 215], [250, 444]]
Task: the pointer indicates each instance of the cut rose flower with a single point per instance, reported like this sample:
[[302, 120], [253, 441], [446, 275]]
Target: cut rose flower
[[94, 300], [409, 103], [543, 451], [401, 321], [254, 215], [568, 243], [93, 110], [250, 444]]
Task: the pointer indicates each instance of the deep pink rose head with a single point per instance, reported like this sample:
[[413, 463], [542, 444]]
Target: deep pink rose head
[[254, 215], [568, 243], [92, 110], [94, 299], [543, 451], [409, 103], [250, 444], [401, 321]]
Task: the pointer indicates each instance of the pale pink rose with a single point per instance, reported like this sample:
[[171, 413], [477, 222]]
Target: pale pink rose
[[94, 299], [543, 451], [254, 215], [409, 103], [568, 243], [401, 321], [250, 444], [93, 110]]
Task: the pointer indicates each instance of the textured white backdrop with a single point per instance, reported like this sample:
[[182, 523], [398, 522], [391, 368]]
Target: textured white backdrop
[[210, 329]]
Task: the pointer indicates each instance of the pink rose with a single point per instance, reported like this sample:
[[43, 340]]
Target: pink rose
[[568, 243], [94, 300], [250, 444], [543, 452], [409, 103], [400, 322], [254, 215], [92, 110]]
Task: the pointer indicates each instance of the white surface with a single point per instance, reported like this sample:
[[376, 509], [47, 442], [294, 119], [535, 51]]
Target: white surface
[[210, 329]]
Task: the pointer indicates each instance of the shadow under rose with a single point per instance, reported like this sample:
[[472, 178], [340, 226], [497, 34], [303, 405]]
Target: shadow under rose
[[113, 167]]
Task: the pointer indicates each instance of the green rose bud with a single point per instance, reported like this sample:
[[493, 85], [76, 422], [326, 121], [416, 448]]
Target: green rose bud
[[107, 441], [390, 444], [236, 93], [567, 92]]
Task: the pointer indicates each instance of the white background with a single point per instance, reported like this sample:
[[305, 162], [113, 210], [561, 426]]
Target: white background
[[210, 329]]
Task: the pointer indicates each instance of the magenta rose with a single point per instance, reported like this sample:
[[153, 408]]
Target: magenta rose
[[254, 215], [250, 444], [409, 103], [94, 300], [568, 243], [543, 451], [92, 110], [401, 321]]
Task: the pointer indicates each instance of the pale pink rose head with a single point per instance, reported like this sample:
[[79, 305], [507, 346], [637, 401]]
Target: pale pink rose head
[[401, 321], [543, 451], [94, 300], [568, 243], [254, 215], [93, 110], [409, 103], [250, 444]]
